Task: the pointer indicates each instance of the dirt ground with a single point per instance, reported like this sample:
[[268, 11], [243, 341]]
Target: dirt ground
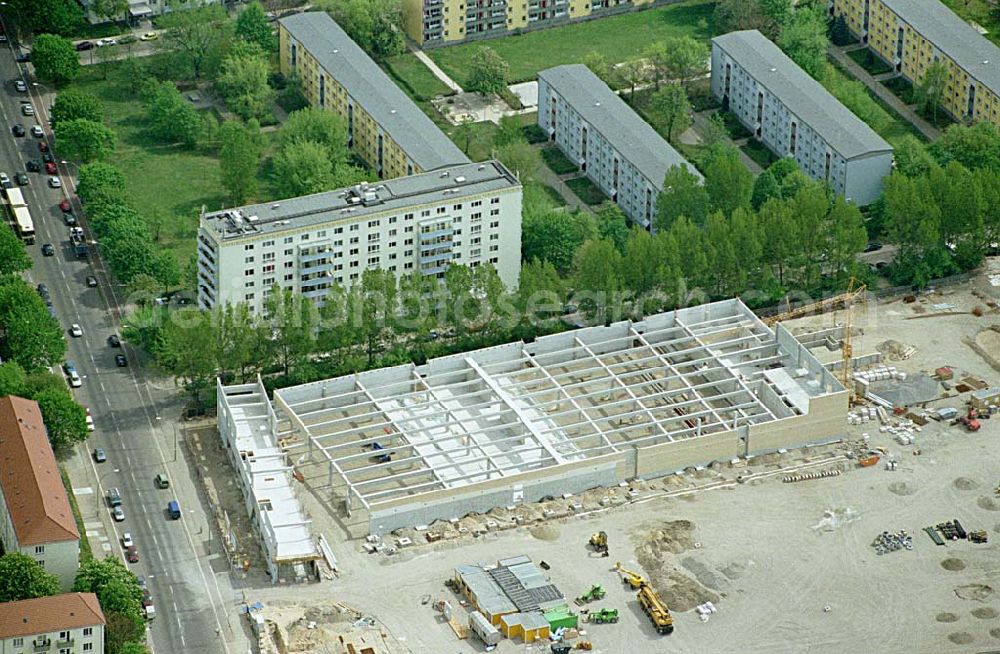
[[789, 566]]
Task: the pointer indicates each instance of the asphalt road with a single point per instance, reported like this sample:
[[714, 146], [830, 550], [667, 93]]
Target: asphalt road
[[192, 590]]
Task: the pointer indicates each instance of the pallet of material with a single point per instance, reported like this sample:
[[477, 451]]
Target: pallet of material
[[460, 629], [932, 532]]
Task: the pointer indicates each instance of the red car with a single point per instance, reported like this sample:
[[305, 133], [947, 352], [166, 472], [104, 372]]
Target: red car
[[132, 554], [65, 206], [43, 146], [51, 169]]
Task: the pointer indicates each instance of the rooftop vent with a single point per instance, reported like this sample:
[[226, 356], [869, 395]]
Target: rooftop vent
[[481, 167], [459, 179], [597, 104], [274, 206], [445, 173], [252, 219]]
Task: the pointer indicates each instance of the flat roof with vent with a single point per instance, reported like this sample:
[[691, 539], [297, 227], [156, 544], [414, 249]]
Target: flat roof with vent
[[346, 205]]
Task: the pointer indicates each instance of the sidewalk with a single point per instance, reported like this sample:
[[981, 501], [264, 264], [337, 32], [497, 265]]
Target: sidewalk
[[433, 67], [549, 178], [840, 56]]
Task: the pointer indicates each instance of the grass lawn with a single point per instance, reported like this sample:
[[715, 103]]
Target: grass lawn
[[734, 127], [167, 183], [557, 161], [414, 77], [869, 61], [900, 88], [618, 38], [758, 152], [586, 191], [86, 554], [879, 116], [980, 11]]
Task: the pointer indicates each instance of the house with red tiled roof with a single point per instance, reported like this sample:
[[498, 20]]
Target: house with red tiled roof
[[69, 624], [35, 515]]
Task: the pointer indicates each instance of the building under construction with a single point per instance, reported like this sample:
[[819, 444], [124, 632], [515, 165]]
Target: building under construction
[[515, 423]]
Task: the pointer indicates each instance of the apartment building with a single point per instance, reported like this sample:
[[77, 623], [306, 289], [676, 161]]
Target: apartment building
[[912, 34], [618, 150], [62, 624], [385, 128], [139, 10], [468, 214], [433, 23], [35, 516], [794, 116]]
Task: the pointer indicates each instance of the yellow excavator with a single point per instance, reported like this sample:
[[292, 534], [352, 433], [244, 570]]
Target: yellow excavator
[[656, 609], [633, 579], [599, 542]]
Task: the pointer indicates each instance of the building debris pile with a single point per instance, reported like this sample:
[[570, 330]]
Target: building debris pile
[[892, 542]]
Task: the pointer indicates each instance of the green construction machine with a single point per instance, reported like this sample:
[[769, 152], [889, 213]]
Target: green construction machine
[[595, 593], [603, 616]]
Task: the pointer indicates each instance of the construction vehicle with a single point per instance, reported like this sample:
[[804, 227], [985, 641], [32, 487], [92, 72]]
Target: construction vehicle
[[585, 645], [603, 616], [978, 536], [656, 609], [971, 420], [595, 593], [633, 579], [599, 542], [561, 648]]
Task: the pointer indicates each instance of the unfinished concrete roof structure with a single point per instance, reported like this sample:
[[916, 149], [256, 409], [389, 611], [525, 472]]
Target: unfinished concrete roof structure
[[569, 412]]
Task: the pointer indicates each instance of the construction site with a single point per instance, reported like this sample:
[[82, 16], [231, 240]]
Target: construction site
[[701, 481]]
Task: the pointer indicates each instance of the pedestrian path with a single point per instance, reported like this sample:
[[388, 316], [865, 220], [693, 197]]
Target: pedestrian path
[[433, 67]]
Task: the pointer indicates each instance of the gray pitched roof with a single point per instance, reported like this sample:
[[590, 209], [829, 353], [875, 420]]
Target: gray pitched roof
[[979, 56], [353, 69], [616, 121], [801, 94]]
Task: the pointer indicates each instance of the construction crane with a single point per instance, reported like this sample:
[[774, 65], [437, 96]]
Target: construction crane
[[633, 579]]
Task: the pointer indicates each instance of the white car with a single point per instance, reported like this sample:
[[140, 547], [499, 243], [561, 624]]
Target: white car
[[90, 421], [74, 380], [37, 132], [55, 182], [127, 540], [118, 514], [75, 330], [100, 43], [20, 86]]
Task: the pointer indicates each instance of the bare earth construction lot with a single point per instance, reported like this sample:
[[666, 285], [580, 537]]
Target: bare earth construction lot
[[789, 565]]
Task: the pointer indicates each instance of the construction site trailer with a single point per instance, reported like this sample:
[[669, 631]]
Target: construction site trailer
[[482, 628], [984, 399]]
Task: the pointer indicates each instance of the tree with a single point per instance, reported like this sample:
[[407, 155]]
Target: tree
[[597, 275], [782, 168], [488, 72], [54, 58], [13, 256], [670, 104], [100, 183], [929, 91], [109, 9], [171, 118], [804, 40], [375, 25], [198, 35], [686, 58], [464, 132], [253, 26], [522, 159], [974, 146], [133, 648], [956, 193], [62, 17], [913, 223], [912, 157], [84, 139], [181, 350], [96, 573], [74, 103], [540, 291], [320, 126], [239, 159], [598, 64], [302, 167], [765, 187], [733, 15], [128, 75], [31, 337], [243, 84], [13, 381], [840, 34], [728, 182], [612, 225], [778, 224], [377, 308], [551, 237], [509, 131], [65, 420], [713, 131], [632, 73], [21, 578], [683, 194], [656, 56], [291, 321], [844, 237]]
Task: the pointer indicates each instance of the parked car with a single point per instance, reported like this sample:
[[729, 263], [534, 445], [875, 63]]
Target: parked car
[[74, 377], [91, 281], [174, 510], [43, 147], [100, 43], [85, 45], [55, 182], [162, 481], [873, 246], [33, 166], [43, 290], [114, 341], [132, 554], [27, 110], [5, 181], [75, 330], [65, 206], [149, 36], [17, 130], [46, 155], [114, 497], [99, 455], [69, 219], [23, 57], [48, 250], [90, 421], [22, 179], [51, 169], [118, 513], [20, 86], [120, 360], [127, 540], [37, 131]]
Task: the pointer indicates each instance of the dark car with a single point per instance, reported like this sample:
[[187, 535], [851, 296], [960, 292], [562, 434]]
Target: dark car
[[114, 341], [48, 250], [65, 206], [43, 290], [69, 219], [91, 281], [23, 58], [120, 360], [873, 246], [85, 45], [99, 455], [132, 554], [51, 169], [22, 179], [33, 166], [47, 156], [17, 130], [43, 147]]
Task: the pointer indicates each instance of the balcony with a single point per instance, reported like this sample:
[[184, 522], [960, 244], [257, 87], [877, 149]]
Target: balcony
[[436, 258], [41, 645], [436, 233], [204, 255], [305, 256], [316, 292]]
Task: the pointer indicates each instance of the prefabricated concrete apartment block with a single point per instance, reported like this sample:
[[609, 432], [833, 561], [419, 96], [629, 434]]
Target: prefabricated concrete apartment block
[[793, 115], [618, 150], [495, 427]]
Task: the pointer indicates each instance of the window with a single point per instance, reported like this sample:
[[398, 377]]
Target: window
[[494, 224], [494, 212], [372, 224], [494, 200], [304, 237], [477, 216], [248, 260], [477, 203], [408, 216], [372, 261], [373, 237], [268, 256], [353, 252], [338, 230], [456, 207], [494, 248], [408, 241], [425, 213], [18, 642], [355, 227], [268, 281], [64, 650], [248, 247], [409, 229], [269, 268], [88, 647], [441, 210], [392, 220], [392, 232], [289, 277], [250, 284], [321, 234], [289, 252], [41, 564], [373, 248], [268, 244], [63, 635], [39, 549], [248, 272], [288, 239]]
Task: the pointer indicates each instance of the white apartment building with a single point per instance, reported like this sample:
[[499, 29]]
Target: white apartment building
[[468, 214], [139, 10], [618, 150], [62, 624], [793, 115], [35, 515]]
